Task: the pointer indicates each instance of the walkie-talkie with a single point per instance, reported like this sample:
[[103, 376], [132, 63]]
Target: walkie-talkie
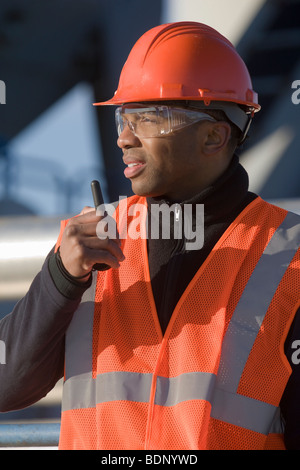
[[98, 201]]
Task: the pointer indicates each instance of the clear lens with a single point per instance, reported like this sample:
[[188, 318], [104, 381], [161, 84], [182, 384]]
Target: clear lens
[[155, 121]]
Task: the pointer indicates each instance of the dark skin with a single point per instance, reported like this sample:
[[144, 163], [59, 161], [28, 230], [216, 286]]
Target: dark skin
[[160, 171]]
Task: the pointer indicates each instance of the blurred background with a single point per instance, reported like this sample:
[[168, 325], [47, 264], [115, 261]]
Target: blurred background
[[57, 57]]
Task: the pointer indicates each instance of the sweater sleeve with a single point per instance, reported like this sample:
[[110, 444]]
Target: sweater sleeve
[[33, 334]]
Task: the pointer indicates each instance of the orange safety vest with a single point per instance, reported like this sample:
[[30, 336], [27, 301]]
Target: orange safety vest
[[215, 379]]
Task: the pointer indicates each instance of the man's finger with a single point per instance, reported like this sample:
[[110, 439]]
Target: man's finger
[[86, 209]]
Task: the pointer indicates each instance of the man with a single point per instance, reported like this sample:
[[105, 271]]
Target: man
[[171, 347]]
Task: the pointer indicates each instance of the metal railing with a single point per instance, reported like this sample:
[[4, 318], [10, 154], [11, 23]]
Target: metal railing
[[24, 243], [36, 435]]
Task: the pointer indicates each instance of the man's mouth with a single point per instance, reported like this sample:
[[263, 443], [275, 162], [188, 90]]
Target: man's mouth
[[134, 169]]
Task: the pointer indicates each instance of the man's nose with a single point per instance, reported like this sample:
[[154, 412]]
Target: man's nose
[[128, 139]]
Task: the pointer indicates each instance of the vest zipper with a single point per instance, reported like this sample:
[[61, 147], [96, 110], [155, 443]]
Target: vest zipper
[[177, 212], [173, 268]]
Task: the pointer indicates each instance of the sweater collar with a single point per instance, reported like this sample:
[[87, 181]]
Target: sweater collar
[[222, 197]]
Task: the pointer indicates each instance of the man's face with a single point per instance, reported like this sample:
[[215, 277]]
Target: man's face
[[170, 166]]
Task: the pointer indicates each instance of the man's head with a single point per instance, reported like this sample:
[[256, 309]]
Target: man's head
[[196, 90], [171, 151]]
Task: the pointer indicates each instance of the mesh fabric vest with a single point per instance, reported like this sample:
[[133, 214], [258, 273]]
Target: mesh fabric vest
[[214, 380]]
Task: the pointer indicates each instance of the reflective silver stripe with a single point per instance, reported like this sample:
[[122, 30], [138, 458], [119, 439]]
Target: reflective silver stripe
[[190, 386], [79, 336], [242, 411], [85, 392], [277, 426], [79, 392], [255, 300]]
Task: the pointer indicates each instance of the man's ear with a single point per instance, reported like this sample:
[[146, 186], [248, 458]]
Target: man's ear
[[217, 137]]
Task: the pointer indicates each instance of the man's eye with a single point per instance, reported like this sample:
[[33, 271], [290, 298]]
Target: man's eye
[[148, 119]]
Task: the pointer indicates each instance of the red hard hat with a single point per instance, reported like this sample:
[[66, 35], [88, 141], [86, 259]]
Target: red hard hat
[[184, 61]]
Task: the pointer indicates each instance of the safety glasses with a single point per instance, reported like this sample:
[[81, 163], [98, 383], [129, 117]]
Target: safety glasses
[[155, 121]]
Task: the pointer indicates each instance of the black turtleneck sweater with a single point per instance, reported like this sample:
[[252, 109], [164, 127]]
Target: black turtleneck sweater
[[171, 266], [34, 332]]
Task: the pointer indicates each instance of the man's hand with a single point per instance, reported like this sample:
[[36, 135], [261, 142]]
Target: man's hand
[[81, 248]]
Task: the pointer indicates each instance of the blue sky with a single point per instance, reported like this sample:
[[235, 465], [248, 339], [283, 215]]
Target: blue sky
[[61, 146]]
